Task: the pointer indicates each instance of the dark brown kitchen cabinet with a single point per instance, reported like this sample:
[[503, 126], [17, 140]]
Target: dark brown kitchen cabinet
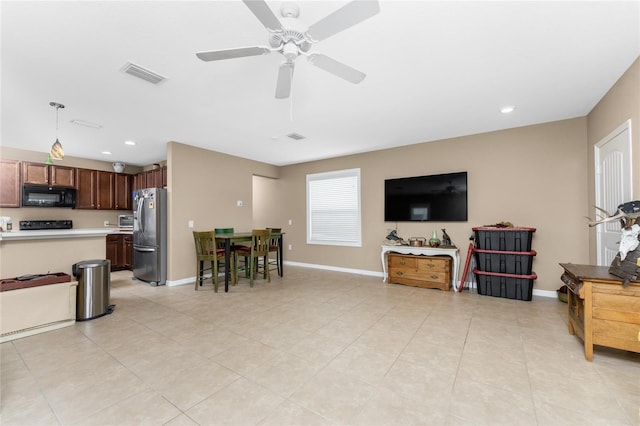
[[120, 251], [127, 247], [123, 191], [113, 245], [86, 196], [45, 174], [95, 190], [9, 183], [105, 199], [156, 178]]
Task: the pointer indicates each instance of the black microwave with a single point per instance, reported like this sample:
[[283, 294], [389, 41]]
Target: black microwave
[[48, 196]]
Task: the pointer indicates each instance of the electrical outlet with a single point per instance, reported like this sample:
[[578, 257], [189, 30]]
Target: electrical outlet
[[290, 221], [106, 223], [239, 203], [190, 224]]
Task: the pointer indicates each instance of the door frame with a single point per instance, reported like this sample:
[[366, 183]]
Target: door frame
[[626, 125]]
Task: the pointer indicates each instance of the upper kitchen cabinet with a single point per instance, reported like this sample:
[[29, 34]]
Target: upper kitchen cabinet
[[9, 183], [155, 178], [105, 190], [45, 174], [86, 197], [123, 191], [95, 190]]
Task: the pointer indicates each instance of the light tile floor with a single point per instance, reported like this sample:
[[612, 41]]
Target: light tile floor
[[316, 348]]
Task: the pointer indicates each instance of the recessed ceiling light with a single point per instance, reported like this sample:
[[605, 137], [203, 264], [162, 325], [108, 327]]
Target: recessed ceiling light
[[129, 143], [106, 152], [507, 109]]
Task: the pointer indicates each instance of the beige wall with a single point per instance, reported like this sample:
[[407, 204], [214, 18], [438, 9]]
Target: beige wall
[[204, 187], [531, 176], [80, 218], [621, 103], [267, 204], [537, 176]]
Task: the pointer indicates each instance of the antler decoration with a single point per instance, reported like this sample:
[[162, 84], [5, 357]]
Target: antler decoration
[[627, 213]]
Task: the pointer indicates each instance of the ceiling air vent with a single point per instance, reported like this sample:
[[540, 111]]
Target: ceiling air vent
[[143, 73], [295, 136]]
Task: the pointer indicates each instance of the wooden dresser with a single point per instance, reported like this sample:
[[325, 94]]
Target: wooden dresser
[[420, 271], [601, 310]]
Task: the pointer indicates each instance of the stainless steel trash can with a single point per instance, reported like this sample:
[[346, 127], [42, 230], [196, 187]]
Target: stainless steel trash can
[[94, 288]]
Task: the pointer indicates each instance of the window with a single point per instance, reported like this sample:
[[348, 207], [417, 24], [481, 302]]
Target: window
[[333, 208]]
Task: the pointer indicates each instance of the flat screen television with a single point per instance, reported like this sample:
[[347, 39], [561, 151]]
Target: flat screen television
[[434, 198]]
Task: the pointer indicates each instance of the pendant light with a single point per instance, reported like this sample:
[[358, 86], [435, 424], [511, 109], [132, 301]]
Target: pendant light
[[57, 152]]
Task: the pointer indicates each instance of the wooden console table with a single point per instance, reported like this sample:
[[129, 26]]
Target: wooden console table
[[601, 310], [452, 252]]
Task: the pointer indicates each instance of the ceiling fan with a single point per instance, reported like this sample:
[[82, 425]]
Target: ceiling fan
[[292, 38]]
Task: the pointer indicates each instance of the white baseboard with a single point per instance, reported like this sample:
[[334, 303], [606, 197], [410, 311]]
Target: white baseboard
[[541, 293], [335, 268], [191, 280]]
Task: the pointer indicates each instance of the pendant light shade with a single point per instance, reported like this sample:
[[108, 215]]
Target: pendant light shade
[[57, 152]]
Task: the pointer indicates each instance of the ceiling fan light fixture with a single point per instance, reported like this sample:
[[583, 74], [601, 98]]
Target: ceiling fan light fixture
[[56, 152], [292, 38]]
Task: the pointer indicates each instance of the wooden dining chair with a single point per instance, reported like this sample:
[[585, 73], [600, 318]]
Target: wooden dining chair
[[234, 248], [207, 251], [274, 247], [257, 255]]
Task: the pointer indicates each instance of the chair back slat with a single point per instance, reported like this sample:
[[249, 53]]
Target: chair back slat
[[205, 244], [260, 242]]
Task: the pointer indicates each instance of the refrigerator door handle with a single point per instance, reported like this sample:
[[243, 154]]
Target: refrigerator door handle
[[144, 249], [139, 215]]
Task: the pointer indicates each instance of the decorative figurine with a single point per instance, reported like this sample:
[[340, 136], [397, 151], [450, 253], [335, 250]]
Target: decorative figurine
[[446, 240], [434, 241]]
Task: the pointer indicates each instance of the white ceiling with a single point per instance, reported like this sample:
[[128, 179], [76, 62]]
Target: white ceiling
[[434, 70]]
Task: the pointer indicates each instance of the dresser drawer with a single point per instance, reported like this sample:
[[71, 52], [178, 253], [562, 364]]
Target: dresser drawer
[[400, 261], [436, 264]]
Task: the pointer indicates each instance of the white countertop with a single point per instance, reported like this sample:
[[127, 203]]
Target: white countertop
[[57, 233]]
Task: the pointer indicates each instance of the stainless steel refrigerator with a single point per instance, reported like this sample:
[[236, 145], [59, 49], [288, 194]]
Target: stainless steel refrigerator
[[150, 235]]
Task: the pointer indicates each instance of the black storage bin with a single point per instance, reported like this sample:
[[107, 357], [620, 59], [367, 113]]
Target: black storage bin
[[504, 239], [511, 286], [505, 262]]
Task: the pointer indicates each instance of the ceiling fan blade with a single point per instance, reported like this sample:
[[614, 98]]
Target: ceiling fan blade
[[285, 75], [240, 52], [263, 12], [336, 68], [350, 14]]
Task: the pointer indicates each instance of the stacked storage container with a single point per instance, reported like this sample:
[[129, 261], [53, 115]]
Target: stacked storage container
[[504, 262]]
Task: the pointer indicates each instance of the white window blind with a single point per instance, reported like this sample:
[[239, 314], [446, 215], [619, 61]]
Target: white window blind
[[333, 208]]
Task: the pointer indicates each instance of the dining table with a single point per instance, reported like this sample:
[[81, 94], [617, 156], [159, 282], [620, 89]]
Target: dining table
[[237, 237]]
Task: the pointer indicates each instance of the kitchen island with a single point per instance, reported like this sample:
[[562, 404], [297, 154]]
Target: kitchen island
[[28, 311], [40, 252]]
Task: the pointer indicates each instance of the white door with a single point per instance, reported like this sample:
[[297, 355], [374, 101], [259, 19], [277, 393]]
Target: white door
[[613, 187]]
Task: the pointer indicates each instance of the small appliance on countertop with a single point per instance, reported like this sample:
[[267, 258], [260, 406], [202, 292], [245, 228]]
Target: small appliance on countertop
[[125, 222], [39, 225]]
